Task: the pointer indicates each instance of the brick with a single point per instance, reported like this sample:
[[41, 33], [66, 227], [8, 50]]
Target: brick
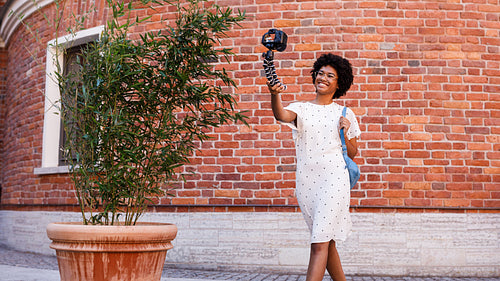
[[226, 193], [438, 194], [417, 154], [417, 185], [373, 202], [477, 130], [230, 177], [493, 170], [396, 193], [183, 201], [456, 203], [287, 23], [417, 202], [307, 47], [418, 136], [395, 128], [396, 145]]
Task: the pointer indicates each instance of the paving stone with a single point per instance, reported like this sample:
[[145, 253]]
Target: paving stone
[[32, 261]]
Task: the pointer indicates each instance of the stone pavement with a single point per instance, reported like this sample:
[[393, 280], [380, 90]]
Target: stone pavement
[[21, 266]]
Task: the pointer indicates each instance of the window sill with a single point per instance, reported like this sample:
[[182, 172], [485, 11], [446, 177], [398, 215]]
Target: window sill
[[51, 170]]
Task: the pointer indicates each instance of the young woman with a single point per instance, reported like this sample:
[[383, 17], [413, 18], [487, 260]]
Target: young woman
[[322, 180]]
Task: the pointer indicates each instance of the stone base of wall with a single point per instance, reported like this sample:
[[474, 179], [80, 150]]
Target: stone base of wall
[[409, 244]]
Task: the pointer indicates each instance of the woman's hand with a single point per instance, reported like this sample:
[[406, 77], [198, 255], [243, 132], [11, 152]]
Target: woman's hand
[[351, 144], [344, 123], [276, 89]]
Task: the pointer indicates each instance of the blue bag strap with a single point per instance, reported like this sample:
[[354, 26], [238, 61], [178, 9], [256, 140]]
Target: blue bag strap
[[344, 148]]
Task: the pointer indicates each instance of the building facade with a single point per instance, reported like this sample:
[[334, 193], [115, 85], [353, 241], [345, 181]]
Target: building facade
[[426, 95]]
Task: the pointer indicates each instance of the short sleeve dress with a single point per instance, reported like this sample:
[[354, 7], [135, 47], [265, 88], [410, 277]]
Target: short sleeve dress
[[322, 179]]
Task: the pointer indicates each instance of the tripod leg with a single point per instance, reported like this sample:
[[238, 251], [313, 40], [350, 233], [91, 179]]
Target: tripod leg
[[270, 72]]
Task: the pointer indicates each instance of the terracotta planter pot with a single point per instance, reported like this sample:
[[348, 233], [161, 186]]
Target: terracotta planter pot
[[91, 252]]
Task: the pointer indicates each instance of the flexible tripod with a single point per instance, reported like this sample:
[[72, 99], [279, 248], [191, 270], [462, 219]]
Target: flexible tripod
[[273, 40], [270, 69]]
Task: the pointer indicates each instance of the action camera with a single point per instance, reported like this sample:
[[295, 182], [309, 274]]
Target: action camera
[[275, 40]]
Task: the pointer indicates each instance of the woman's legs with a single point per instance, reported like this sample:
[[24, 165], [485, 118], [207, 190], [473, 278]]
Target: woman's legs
[[324, 255], [317, 261], [333, 265]]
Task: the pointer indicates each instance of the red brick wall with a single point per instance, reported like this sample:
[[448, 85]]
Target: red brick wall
[[426, 95], [22, 113], [3, 77], [3, 68]]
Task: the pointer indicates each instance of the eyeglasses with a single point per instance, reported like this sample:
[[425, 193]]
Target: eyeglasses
[[329, 76]]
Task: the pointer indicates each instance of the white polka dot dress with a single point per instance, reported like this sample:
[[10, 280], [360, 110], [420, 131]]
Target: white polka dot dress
[[322, 180]]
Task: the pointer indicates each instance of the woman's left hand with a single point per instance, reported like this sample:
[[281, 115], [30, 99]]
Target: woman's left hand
[[344, 123]]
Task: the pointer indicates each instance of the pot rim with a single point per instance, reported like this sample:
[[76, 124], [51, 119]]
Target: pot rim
[[141, 232]]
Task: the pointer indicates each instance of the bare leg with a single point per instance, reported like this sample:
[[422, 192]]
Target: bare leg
[[333, 265], [317, 261]]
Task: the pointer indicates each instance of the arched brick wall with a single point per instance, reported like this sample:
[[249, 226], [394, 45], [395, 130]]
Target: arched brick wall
[[426, 95]]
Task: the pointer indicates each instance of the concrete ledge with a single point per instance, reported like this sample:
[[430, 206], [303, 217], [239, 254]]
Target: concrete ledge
[[51, 170], [409, 244]]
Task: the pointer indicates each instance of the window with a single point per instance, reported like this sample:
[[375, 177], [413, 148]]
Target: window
[[51, 160], [70, 66]]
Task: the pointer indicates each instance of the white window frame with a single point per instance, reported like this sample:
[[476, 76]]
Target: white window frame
[[52, 116]]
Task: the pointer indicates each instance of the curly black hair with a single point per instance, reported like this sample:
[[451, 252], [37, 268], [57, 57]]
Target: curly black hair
[[343, 68]]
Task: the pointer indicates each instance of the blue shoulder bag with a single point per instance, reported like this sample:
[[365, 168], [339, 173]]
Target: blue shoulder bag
[[351, 166]]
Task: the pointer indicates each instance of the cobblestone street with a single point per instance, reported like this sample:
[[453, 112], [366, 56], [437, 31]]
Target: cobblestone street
[[18, 261]]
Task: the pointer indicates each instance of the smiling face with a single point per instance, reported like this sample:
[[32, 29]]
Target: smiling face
[[326, 81]]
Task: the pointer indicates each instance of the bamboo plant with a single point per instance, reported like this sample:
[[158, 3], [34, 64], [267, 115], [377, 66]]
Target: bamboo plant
[[136, 109]]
